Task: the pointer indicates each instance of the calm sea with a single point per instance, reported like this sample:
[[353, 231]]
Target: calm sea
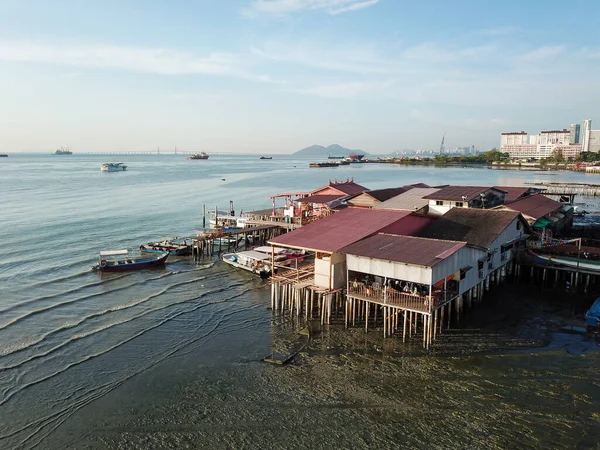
[[171, 357]]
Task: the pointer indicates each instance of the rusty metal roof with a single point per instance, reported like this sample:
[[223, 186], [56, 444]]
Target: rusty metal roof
[[321, 198], [404, 249], [535, 206], [475, 226], [411, 200], [339, 230], [513, 192], [460, 193]]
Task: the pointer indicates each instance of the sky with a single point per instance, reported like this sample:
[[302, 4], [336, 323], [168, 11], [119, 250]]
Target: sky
[[274, 76]]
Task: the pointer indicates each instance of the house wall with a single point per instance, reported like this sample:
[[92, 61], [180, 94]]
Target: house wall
[[364, 200], [510, 233], [389, 269], [338, 271], [328, 190], [439, 210], [466, 256]]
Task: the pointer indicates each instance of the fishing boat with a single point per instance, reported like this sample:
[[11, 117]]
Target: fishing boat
[[582, 263], [288, 253], [120, 261], [63, 151], [250, 260], [174, 246], [113, 167], [592, 316], [266, 157], [200, 155]]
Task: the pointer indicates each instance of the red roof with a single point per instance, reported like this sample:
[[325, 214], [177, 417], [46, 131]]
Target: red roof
[[320, 198], [535, 206], [512, 192], [459, 193], [339, 230], [347, 187], [404, 249]]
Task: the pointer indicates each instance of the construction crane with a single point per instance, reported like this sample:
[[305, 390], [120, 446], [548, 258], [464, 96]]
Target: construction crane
[[442, 144]]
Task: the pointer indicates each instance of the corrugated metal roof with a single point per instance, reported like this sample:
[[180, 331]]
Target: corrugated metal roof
[[459, 193], [320, 198], [513, 192], [409, 201], [404, 249], [475, 226], [535, 206], [339, 230]]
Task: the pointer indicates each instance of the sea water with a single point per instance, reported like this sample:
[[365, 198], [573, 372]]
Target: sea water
[[170, 357]]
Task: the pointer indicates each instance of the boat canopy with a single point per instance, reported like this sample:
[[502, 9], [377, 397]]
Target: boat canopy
[[267, 249], [114, 252], [252, 254]]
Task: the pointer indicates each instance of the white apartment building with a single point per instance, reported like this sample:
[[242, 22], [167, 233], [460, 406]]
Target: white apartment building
[[590, 138], [545, 144]]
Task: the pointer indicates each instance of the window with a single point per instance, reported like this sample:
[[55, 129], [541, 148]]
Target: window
[[439, 202], [459, 204]]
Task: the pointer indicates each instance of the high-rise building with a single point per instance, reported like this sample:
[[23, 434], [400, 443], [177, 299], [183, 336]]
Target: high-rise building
[[575, 129], [585, 142]]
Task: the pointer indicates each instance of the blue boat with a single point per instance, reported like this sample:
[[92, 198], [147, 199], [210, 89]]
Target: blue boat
[[592, 317], [119, 261]]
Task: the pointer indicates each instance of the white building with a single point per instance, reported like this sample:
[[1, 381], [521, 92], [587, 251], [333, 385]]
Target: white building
[[514, 138], [545, 145], [445, 199]]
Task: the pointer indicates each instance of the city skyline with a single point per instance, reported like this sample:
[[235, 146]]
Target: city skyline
[[275, 76]]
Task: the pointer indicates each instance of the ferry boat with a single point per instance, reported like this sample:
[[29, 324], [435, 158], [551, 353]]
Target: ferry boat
[[113, 167], [63, 151], [250, 260], [119, 261], [200, 155]]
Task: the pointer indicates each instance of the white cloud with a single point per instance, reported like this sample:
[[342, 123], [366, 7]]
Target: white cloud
[[284, 7], [138, 59], [345, 89], [543, 54]]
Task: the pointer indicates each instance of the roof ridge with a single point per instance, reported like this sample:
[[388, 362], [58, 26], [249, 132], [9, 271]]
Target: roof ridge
[[426, 238]]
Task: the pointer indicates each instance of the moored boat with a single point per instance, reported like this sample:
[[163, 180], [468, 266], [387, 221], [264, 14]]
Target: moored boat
[[250, 260], [174, 246], [579, 263], [120, 261], [592, 316], [200, 155], [113, 167], [63, 151], [324, 164]]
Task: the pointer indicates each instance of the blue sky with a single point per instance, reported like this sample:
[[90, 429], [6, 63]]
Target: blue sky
[[278, 75]]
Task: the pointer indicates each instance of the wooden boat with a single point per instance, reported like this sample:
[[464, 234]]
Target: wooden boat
[[592, 316], [174, 246], [200, 155], [250, 260], [119, 261], [567, 261], [324, 164]]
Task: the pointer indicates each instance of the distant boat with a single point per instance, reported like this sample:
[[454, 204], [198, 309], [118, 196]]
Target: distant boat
[[266, 157], [119, 261], [355, 157], [324, 164], [200, 155], [113, 167], [3, 155], [63, 151], [335, 157]]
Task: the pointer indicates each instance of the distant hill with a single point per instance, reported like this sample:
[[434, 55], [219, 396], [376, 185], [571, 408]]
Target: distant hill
[[321, 151]]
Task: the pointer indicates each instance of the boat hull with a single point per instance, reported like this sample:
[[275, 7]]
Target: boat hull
[[235, 260], [582, 264], [592, 317], [174, 250], [136, 264]]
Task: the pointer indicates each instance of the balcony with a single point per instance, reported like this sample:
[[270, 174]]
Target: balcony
[[390, 296]]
